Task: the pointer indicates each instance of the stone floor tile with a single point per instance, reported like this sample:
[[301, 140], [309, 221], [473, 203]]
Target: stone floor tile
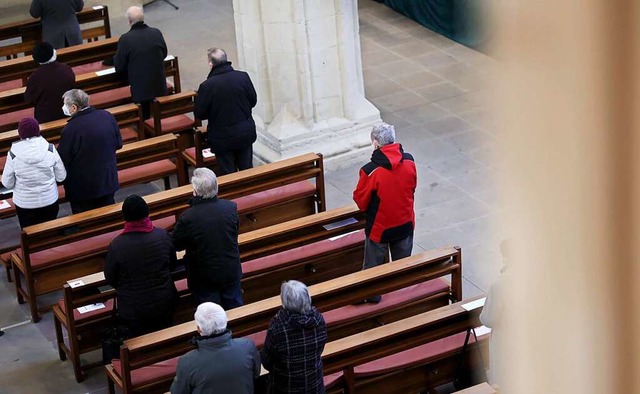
[[439, 91], [470, 290], [416, 79], [471, 139], [398, 101], [475, 181], [422, 114], [393, 119], [433, 189], [435, 59], [447, 126], [454, 165], [382, 88], [413, 48], [451, 213], [380, 57]]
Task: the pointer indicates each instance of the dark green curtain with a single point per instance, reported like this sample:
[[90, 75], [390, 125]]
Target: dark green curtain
[[460, 20]]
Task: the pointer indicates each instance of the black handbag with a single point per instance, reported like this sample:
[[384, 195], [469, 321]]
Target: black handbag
[[113, 337]]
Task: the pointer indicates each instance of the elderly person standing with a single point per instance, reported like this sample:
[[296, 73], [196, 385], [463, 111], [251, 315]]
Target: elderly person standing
[[138, 266], [48, 83], [219, 364], [32, 169], [140, 60], [208, 231], [385, 190], [59, 21], [88, 148], [295, 340]]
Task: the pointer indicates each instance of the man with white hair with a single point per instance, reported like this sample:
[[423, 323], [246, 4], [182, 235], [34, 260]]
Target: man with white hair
[[140, 60], [219, 364], [208, 231], [295, 340], [386, 191]]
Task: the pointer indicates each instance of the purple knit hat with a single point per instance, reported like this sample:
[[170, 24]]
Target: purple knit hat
[[28, 127]]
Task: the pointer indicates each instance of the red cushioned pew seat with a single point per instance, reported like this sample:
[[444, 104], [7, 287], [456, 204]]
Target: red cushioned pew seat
[[172, 124], [142, 376]]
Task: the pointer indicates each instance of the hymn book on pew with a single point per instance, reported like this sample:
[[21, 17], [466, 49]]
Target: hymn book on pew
[[4, 204], [474, 304], [90, 308], [341, 223]]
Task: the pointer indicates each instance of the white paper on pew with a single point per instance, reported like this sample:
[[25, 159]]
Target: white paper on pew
[[75, 283], [4, 204], [92, 307], [474, 304], [482, 330], [98, 7], [169, 57], [342, 235], [342, 223], [105, 71], [206, 153]]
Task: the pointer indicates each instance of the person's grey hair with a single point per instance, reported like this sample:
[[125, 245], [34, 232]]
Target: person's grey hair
[[216, 56], [210, 318], [204, 182], [384, 133], [295, 296], [77, 97], [135, 14]]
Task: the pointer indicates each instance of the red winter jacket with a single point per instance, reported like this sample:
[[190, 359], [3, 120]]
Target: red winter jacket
[[385, 191]]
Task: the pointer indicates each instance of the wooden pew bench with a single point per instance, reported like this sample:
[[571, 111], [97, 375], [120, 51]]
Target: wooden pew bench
[[105, 88], [147, 363], [83, 59], [312, 263], [49, 255], [199, 155], [174, 114], [19, 38]]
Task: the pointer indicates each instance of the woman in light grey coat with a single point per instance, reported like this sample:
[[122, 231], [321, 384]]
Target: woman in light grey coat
[[60, 26]]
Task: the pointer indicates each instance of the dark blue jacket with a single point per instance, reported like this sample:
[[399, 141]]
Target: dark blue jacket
[[88, 150], [225, 99]]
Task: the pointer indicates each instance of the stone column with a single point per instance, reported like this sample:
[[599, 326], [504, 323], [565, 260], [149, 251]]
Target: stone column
[[304, 59]]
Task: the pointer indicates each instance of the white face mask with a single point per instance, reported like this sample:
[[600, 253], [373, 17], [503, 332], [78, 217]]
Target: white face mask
[[65, 110]]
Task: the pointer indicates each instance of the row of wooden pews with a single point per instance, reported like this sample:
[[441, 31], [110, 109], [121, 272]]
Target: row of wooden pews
[[19, 38], [50, 254]]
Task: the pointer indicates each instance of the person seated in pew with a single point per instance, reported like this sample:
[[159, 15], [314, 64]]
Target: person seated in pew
[[138, 266], [295, 340], [32, 169], [59, 22], [208, 232], [385, 190], [88, 146], [140, 60], [220, 363], [48, 83]]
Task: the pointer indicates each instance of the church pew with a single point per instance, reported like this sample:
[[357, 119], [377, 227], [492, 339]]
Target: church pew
[[170, 114], [416, 354], [311, 263], [84, 55], [199, 155], [161, 349], [482, 388], [94, 23], [106, 89], [50, 254]]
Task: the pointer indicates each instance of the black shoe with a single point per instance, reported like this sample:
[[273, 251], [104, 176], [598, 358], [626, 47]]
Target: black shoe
[[370, 300]]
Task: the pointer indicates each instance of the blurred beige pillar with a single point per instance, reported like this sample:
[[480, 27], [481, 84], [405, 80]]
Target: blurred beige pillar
[[571, 130], [304, 58]]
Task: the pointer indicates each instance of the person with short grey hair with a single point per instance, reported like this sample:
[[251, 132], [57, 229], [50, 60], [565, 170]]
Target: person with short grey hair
[[385, 190], [88, 148], [219, 363], [216, 56], [208, 231], [295, 340]]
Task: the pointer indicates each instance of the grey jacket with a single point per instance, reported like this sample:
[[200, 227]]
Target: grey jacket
[[60, 26], [220, 364]]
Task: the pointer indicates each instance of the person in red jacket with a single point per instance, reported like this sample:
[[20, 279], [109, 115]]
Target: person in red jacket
[[386, 191]]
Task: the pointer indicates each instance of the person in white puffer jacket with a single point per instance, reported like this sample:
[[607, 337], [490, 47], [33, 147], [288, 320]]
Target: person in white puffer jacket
[[32, 169]]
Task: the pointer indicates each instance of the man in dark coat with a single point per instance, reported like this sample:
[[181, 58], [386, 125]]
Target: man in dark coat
[[140, 60], [225, 99], [88, 148], [138, 266], [208, 231], [59, 22], [48, 83], [219, 363]]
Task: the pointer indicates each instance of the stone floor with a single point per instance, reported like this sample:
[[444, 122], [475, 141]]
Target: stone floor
[[435, 91]]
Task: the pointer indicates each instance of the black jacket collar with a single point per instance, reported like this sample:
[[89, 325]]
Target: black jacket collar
[[220, 69], [197, 200], [86, 111], [139, 25]]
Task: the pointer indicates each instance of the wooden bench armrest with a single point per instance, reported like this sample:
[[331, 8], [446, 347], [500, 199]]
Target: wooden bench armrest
[[175, 97]]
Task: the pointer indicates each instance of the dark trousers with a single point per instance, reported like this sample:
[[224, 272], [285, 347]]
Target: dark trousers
[[375, 253], [145, 105], [32, 216], [228, 298], [139, 327], [87, 205], [235, 160]]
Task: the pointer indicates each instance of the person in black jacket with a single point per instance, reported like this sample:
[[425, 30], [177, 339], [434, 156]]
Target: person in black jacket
[[88, 146], [225, 99], [59, 21], [208, 231], [140, 60], [138, 266]]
